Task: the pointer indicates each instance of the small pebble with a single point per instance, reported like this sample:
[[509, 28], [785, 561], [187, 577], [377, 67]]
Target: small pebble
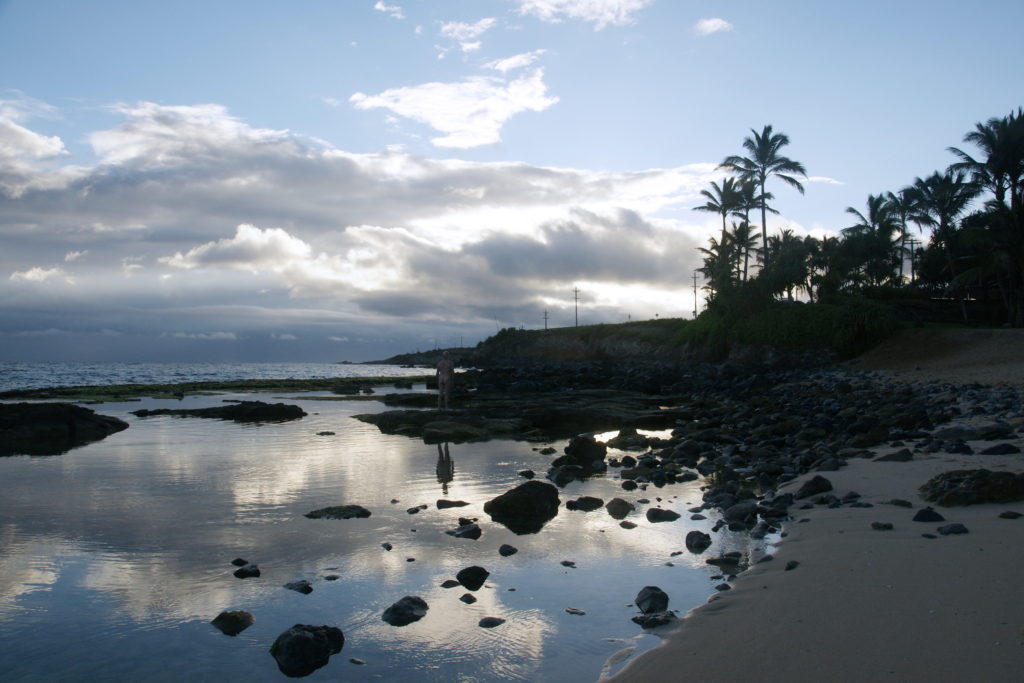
[[881, 526], [791, 565]]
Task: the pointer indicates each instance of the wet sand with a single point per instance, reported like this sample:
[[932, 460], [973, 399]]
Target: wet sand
[[869, 605]]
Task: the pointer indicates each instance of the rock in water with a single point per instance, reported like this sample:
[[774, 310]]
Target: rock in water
[[697, 541], [303, 586], [339, 512], [651, 599], [491, 622], [619, 508], [472, 577], [659, 515], [248, 571], [507, 550], [526, 508], [303, 649], [928, 515], [242, 411], [51, 428], [584, 503], [443, 504], [471, 531], [407, 610], [233, 623]]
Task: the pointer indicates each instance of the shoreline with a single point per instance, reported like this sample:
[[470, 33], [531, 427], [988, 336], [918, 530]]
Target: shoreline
[[865, 604]]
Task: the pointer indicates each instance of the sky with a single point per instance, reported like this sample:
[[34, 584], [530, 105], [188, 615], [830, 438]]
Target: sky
[[347, 180]]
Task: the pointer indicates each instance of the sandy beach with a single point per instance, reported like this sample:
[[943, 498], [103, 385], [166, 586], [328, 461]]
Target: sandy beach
[[877, 605]]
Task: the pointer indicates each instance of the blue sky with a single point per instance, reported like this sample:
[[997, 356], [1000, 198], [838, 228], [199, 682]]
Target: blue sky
[[347, 180]]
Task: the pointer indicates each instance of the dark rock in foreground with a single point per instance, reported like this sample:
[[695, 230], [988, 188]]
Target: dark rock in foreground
[[584, 503], [697, 541], [407, 610], [651, 599], [971, 487], [302, 586], [658, 515], [339, 512], [303, 649], [471, 531], [812, 487], [243, 411], [443, 504], [51, 428], [249, 571], [233, 623], [526, 508], [472, 577], [619, 508], [507, 550], [490, 622]]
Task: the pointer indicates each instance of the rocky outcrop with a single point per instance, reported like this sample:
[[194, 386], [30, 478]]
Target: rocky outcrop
[[51, 428], [242, 411], [234, 622]]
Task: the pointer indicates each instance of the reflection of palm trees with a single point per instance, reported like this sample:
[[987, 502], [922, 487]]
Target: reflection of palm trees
[[445, 467]]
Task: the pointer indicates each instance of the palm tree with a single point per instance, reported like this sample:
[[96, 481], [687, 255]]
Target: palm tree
[[902, 205], [762, 162], [788, 269], [717, 268], [1002, 168], [722, 199], [941, 198], [874, 235], [745, 241]]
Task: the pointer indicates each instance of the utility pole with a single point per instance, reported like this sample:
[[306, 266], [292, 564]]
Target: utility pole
[[545, 319], [576, 299], [695, 295], [913, 243]]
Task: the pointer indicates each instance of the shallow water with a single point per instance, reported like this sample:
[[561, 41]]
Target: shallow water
[[115, 557]]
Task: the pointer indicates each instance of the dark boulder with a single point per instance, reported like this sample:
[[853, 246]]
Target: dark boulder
[[51, 428], [697, 541], [303, 586], [655, 620], [472, 577], [651, 599], [928, 515], [242, 411], [583, 450], [248, 571], [507, 550], [659, 515], [339, 512], [952, 529], [407, 610], [970, 487], [490, 622], [444, 504], [584, 503], [813, 486], [619, 508], [471, 531], [526, 508], [233, 623], [303, 649]]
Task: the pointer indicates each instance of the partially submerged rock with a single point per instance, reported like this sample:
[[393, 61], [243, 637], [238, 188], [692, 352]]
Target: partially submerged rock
[[472, 577], [51, 428], [242, 411], [407, 610], [339, 512], [234, 622], [303, 649], [526, 508]]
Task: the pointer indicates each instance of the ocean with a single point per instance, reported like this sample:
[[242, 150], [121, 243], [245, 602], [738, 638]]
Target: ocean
[[116, 556], [18, 375]]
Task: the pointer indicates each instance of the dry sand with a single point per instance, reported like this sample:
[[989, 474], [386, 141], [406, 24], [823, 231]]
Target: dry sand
[[866, 605]]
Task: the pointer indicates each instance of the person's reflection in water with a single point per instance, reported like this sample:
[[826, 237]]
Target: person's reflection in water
[[445, 467]]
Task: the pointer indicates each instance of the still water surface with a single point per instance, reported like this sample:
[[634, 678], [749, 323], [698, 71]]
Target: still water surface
[[115, 557]]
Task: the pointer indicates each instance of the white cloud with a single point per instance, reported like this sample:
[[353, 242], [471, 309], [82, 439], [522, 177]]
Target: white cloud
[[37, 274], [393, 10], [213, 336], [284, 337], [74, 255], [471, 112], [706, 27], [601, 13], [338, 339], [824, 180], [159, 136], [464, 34], [250, 249], [515, 62]]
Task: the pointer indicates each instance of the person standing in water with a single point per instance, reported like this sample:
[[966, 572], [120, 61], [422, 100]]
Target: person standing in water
[[445, 380]]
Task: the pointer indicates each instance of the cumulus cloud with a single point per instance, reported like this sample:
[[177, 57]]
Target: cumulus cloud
[[706, 27], [601, 13], [250, 249], [470, 112], [824, 180], [214, 336], [261, 228], [392, 10], [515, 62]]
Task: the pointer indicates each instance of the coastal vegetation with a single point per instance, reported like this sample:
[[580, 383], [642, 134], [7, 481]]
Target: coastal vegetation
[[973, 213]]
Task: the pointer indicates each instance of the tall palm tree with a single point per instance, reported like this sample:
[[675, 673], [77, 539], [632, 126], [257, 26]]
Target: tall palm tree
[[941, 198], [903, 205], [745, 241], [1001, 140], [764, 160], [874, 234], [722, 199]]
